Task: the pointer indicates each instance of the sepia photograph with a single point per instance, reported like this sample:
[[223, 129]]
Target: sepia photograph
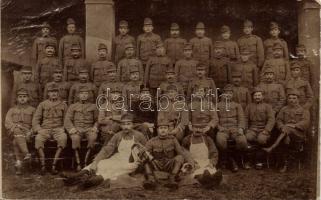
[[160, 99]]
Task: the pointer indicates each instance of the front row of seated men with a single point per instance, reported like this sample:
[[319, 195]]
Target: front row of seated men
[[129, 149]]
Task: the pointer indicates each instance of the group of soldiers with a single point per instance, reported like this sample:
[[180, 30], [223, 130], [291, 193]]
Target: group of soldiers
[[258, 91]]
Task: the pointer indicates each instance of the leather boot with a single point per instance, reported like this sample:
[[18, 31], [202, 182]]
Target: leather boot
[[18, 168], [234, 166], [74, 179], [149, 183], [91, 182], [284, 168], [43, 170], [171, 183]]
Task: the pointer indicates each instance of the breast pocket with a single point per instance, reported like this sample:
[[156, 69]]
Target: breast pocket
[[28, 117], [298, 116], [16, 117]]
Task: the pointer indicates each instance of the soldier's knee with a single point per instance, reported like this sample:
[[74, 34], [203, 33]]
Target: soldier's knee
[[221, 140], [179, 159], [250, 135], [241, 142], [262, 139], [75, 141], [40, 141]]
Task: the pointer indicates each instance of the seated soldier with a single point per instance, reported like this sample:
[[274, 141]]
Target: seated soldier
[[204, 153], [260, 120], [231, 125], [168, 157], [48, 122], [113, 160], [241, 94], [112, 81], [80, 122], [18, 123], [293, 122]]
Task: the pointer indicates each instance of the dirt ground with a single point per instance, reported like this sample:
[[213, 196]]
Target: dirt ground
[[264, 185]]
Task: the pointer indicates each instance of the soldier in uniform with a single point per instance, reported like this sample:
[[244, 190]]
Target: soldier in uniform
[[269, 43], [241, 94], [73, 64], [260, 120], [39, 45], [186, 68], [274, 93], [201, 79], [64, 87], [168, 157], [48, 122], [46, 65], [80, 122], [18, 122], [100, 67], [170, 80], [147, 42], [231, 124], [302, 86], [220, 68], [279, 65], [202, 45], [122, 40], [253, 42], [175, 44], [68, 40], [27, 83], [83, 81], [293, 122], [248, 69], [231, 48], [156, 67], [129, 61], [112, 81]]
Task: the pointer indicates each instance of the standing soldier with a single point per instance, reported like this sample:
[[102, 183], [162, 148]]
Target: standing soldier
[[122, 40], [62, 85], [260, 120], [248, 69], [302, 86], [156, 68], [220, 68], [80, 122], [124, 65], [27, 83], [293, 123], [170, 80], [68, 40], [175, 44], [273, 92], [39, 45], [46, 65], [199, 80], [100, 67], [269, 43], [147, 42], [186, 68], [112, 81], [279, 65], [241, 94], [73, 64], [202, 45], [83, 81], [18, 122], [231, 124], [231, 48], [48, 122], [253, 42]]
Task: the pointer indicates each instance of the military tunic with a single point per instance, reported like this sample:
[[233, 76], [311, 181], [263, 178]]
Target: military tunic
[[305, 90], [202, 49], [220, 71], [232, 51], [74, 91], [39, 47], [163, 87], [241, 95], [280, 67], [207, 83], [255, 45], [306, 70], [268, 47], [274, 95], [249, 74], [72, 67], [146, 46], [203, 109], [174, 48], [123, 68], [45, 69], [65, 46], [186, 71], [99, 71], [33, 89], [119, 45], [64, 88], [155, 70]]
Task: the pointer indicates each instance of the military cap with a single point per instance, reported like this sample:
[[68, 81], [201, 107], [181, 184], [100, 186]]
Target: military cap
[[236, 74], [145, 89], [188, 46], [116, 89], [248, 23], [133, 68], [53, 87], [293, 91], [51, 44], [127, 117], [268, 70], [228, 87], [225, 29], [200, 66], [84, 88], [102, 46], [159, 45], [129, 45], [174, 26], [171, 87], [245, 51], [257, 89], [162, 122], [75, 47], [22, 91], [45, 25], [71, 21], [58, 69], [26, 68], [170, 70], [274, 25], [300, 46], [200, 25], [294, 65], [200, 120], [83, 70], [219, 44], [111, 69], [148, 21], [277, 45], [123, 23]]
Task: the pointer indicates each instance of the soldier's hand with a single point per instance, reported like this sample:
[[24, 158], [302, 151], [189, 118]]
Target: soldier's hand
[[94, 129], [73, 131], [28, 135], [265, 132], [206, 129], [241, 131]]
